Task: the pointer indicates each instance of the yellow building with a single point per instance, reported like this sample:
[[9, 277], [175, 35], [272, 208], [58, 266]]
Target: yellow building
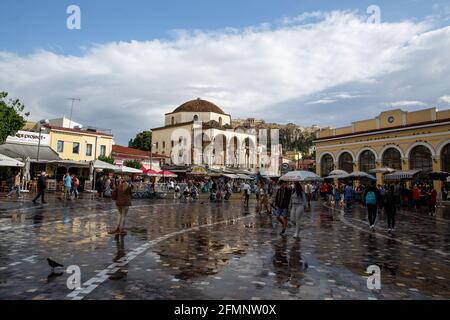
[[78, 144], [397, 139]]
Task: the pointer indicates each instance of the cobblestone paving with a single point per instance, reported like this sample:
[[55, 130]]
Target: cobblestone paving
[[206, 250]]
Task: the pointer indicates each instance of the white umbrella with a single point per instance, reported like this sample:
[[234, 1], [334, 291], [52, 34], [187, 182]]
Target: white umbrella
[[125, 169], [301, 176], [360, 174], [338, 173], [382, 170], [6, 161]]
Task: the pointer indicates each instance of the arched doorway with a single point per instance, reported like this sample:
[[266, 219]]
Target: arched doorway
[[420, 158], [346, 162], [392, 159], [367, 161], [445, 158], [326, 165]]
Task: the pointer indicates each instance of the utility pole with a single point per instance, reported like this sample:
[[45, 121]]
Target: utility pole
[[71, 109]]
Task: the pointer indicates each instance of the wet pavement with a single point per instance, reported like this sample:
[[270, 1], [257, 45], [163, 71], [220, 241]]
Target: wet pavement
[[206, 250]]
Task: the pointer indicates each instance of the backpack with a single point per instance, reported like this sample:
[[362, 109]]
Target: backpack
[[371, 198]]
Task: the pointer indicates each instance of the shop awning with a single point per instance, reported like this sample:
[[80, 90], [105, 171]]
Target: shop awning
[[243, 176], [6, 161], [230, 176], [98, 164], [23, 151], [70, 163], [401, 175], [125, 169]]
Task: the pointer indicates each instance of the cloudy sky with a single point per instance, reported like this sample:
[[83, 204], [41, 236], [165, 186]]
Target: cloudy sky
[[307, 62]]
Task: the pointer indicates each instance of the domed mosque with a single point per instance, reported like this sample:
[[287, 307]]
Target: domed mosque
[[206, 129]]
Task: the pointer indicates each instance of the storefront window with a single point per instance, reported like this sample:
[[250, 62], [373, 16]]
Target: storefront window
[[367, 161], [420, 159], [326, 165], [392, 159], [346, 162]]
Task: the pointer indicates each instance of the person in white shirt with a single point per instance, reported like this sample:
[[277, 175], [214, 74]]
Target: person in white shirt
[[298, 206], [247, 190]]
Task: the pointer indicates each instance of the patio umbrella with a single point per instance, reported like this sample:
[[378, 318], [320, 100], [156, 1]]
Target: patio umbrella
[[152, 173], [301, 176], [338, 176], [382, 170], [6, 161], [167, 174], [125, 169], [361, 175], [338, 173]]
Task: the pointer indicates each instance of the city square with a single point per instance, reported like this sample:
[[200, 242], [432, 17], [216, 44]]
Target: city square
[[202, 250], [252, 157]]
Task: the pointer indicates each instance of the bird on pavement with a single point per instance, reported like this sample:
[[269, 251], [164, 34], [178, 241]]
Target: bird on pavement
[[54, 264]]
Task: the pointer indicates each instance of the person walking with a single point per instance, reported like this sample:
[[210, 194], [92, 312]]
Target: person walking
[[122, 195], [282, 203], [67, 180], [371, 200], [75, 184], [247, 190], [299, 201], [16, 186], [41, 186], [390, 207], [432, 201], [416, 197], [348, 194]]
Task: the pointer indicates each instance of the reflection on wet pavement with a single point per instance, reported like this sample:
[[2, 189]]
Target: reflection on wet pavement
[[213, 251]]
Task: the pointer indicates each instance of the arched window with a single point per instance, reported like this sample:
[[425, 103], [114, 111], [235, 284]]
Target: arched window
[[326, 165], [346, 162], [392, 159], [196, 118], [367, 161], [445, 158], [220, 121], [420, 159]]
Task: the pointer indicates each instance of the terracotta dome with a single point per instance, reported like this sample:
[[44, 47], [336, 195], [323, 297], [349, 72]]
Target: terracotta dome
[[198, 105]]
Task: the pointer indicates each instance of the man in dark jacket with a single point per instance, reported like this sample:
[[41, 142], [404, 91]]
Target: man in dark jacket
[[282, 202], [41, 186], [372, 199]]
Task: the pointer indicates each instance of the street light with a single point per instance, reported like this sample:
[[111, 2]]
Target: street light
[[40, 124]]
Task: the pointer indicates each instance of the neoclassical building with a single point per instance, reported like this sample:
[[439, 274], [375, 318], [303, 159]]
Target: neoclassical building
[[401, 140], [198, 132]]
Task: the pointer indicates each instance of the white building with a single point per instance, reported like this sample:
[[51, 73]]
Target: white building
[[199, 133]]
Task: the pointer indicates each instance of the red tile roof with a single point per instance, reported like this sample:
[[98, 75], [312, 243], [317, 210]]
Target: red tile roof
[[79, 131]]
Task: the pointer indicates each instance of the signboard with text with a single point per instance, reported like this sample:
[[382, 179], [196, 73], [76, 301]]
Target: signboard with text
[[27, 137]]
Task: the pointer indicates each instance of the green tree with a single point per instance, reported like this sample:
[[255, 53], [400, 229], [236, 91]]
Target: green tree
[[132, 164], [142, 141], [106, 159], [11, 117]]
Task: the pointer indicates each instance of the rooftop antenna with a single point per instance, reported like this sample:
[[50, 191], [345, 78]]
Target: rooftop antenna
[[71, 109]]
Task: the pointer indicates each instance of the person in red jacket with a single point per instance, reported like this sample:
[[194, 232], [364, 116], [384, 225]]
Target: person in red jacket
[[432, 201], [416, 197]]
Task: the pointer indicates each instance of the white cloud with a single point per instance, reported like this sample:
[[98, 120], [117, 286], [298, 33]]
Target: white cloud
[[399, 104], [271, 70], [445, 99]]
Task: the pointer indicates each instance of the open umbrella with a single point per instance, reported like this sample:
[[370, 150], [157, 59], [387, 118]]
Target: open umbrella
[[301, 176], [439, 175], [152, 173], [167, 174], [382, 170], [125, 170], [338, 173], [361, 175]]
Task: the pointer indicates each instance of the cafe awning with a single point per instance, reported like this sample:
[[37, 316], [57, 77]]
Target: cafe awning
[[6, 161], [22, 151], [98, 164], [125, 169], [230, 176], [401, 175]]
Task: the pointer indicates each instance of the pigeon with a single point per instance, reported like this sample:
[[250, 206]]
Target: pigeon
[[53, 264]]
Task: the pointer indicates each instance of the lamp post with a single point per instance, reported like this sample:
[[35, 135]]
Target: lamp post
[[40, 124]]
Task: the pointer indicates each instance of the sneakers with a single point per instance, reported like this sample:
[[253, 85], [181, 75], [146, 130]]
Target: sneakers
[[296, 236], [283, 232], [389, 230]]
